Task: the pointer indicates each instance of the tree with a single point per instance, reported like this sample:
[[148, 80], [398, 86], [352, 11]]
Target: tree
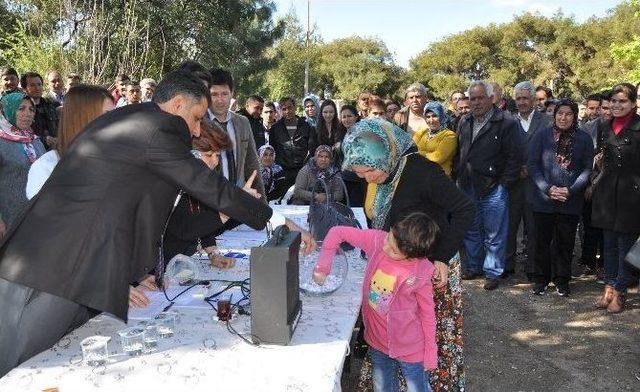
[[351, 65], [99, 38], [573, 58]]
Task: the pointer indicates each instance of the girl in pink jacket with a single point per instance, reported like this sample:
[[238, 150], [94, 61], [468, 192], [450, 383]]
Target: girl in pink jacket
[[397, 298]]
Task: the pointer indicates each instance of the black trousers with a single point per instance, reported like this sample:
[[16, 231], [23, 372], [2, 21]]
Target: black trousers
[[33, 321], [520, 211], [555, 238], [591, 240]]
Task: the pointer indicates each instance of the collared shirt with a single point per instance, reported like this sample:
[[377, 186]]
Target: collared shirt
[[478, 123], [232, 135], [525, 122]]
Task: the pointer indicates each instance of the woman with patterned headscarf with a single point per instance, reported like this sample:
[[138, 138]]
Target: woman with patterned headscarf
[[400, 182], [318, 168], [19, 148], [559, 163], [270, 172], [437, 143]]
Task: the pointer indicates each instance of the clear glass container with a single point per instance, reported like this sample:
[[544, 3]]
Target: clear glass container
[[334, 280], [166, 322], [132, 340], [94, 350], [151, 335]]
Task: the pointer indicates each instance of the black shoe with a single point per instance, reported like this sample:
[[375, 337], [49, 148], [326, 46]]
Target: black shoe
[[470, 275], [539, 289], [507, 273], [563, 290], [491, 284]]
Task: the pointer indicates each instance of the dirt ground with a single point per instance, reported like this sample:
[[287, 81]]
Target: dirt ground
[[515, 341]]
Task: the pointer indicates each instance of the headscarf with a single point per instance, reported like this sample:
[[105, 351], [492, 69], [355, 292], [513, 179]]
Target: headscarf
[[437, 109], [323, 174], [267, 173], [9, 131], [380, 145], [564, 138], [313, 121]]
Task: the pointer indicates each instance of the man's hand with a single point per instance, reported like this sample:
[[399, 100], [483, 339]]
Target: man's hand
[[307, 239], [321, 197], [248, 186], [440, 275], [137, 297], [523, 171], [3, 229]]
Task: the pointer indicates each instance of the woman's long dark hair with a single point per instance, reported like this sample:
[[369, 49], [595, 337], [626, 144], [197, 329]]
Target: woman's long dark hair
[[324, 137]]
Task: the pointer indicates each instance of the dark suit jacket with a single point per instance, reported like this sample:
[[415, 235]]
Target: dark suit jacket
[[538, 122], [616, 196], [492, 158], [94, 226]]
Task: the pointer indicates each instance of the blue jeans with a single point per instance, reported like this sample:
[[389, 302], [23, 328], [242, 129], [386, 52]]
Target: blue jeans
[[615, 248], [486, 240], [385, 374]]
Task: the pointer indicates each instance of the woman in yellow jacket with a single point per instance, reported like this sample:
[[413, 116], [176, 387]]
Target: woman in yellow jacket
[[437, 143]]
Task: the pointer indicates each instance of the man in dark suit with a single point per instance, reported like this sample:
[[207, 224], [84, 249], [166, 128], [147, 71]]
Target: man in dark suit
[[239, 163], [530, 121], [95, 225], [489, 162]]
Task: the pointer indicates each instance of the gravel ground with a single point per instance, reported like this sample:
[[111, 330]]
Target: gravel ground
[[515, 341]]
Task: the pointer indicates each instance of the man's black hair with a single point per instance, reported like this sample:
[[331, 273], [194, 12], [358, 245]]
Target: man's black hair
[[595, 97], [546, 90], [197, 69], [287, 99], [221, 77], [26, 75], [606, 95], [255, 98], [180, 82]]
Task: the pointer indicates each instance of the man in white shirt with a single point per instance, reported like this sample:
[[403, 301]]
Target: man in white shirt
[[236, 165], [530, 122]]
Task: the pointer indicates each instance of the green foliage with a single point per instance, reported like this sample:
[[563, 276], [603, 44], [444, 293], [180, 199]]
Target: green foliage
[[144, 38], [570, 57], [27, 52], [628, 53]]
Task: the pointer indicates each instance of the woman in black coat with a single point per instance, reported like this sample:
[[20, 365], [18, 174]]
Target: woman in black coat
[[616, 195]]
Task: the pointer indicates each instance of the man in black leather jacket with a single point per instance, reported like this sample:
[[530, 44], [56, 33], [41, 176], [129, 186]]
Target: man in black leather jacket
[[293, 139], [489, 162]]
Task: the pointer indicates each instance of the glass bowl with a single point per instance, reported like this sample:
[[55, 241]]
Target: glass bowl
[[334, 280]]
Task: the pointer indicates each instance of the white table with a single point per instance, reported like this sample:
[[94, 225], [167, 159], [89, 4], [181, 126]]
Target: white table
[[203, 355]]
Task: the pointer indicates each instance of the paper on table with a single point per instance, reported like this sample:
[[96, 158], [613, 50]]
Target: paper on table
[[157, 303]]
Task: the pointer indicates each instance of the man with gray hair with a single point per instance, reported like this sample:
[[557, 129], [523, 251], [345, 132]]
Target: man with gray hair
[[147, 88], [411, 117], [489, 162], [530, 121]]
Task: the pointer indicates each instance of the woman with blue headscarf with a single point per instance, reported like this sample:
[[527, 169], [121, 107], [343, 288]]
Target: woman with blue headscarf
[[400, 182], [437, 143], [19, 148]]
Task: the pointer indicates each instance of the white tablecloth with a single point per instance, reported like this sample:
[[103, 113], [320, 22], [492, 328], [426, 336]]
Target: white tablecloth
[[203, 355]]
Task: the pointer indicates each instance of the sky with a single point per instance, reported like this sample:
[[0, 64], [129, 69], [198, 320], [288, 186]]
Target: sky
[[408, 26]]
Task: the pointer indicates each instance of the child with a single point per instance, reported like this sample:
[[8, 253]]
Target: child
[[397, 297]]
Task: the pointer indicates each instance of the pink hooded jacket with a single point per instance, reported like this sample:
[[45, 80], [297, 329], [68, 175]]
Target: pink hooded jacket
[[411, 320]]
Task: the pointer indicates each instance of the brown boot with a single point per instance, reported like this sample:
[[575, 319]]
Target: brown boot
[[605, 299], [617, 302]]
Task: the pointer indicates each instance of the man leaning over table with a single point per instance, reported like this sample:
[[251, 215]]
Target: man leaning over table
[[95, 224]]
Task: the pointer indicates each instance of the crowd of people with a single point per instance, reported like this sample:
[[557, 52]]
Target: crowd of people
[[482, 165]]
